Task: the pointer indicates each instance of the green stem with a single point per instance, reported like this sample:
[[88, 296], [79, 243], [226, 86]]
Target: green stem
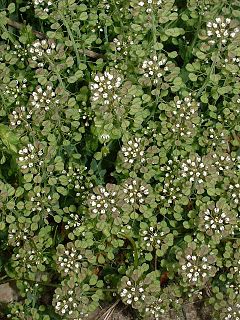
[[54, 70], [189, 51], [72, 39], [209, 74], [154, 30], [135, 251]]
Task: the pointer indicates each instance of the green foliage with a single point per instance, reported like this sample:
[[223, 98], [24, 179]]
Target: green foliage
[[120, 156]]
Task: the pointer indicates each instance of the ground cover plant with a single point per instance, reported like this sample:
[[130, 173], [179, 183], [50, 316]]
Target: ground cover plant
[[120, 156]]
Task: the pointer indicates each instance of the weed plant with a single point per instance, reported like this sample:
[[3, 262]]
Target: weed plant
[[120, 156]]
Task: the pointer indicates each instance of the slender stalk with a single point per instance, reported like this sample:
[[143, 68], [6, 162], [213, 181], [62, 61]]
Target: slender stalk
[[72, 39], [209, 74], [189, 51], [54, 70], [135, 255]]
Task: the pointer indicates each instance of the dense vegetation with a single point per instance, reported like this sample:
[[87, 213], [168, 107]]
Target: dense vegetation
[[120, 156]]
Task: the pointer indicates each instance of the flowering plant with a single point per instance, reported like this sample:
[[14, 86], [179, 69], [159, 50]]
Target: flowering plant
[[120, 156]]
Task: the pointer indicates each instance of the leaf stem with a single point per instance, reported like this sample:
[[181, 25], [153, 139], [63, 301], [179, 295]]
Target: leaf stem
[[72, 39], [135, 251]]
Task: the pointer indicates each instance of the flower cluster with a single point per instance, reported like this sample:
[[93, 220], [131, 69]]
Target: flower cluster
[[69, 260], [20, 116], [73, 222], [20, 311], [105, 87], [137, 154], [86, 115], [44, 98], [122, 46], [132, 293], [66, 302], [103, 201], [228, 308], [194, 169], [140, 290], [186, 116], [72, 299], [133, 150], [155, 309], [20, 53], [152, 238], [196, 265], [75, 178], [224, 163], [39, 49], [221, 29], [44, 6], [215, 138], [232, 60], [30, 155], [233, 312], [180, 120], [218, 220], [156, 238], [18, 233], [42, 201], [29, 260], [170, 189], [155, 68], [135, 192], [150, 4], [234, 191], [15, 91]]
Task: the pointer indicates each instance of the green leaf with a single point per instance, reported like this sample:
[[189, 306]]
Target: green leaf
[[101, 259], [8, 138], [34, 226], [83, 16], [10, 219], [188, 239], [11, 7], [174, 32], [192, 77], [2, 225], [93, 280], [57, 219]]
